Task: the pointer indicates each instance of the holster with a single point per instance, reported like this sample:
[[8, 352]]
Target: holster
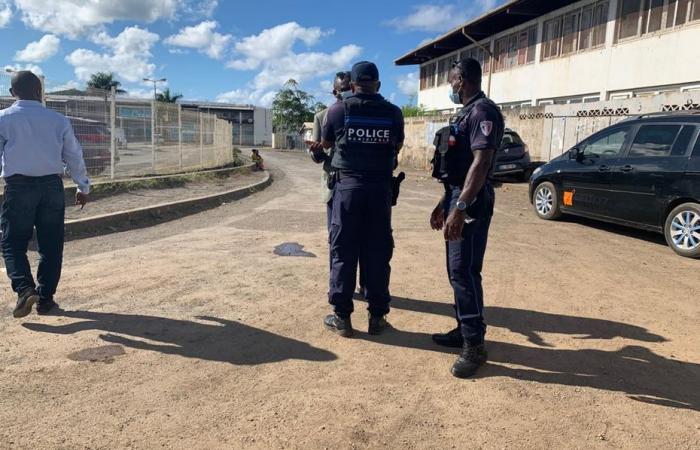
[[396, 187]]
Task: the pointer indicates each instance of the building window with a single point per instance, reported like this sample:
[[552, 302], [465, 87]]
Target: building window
[[640, 17], [427, 76], [478, 54], [444, 67], [551, 38], [578, 30], [516, 49]]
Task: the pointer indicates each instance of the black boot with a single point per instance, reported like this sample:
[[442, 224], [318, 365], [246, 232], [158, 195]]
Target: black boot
[[47, 306], [338, 325], [471, 358], [25, 303], [377, 325], [452, 338]]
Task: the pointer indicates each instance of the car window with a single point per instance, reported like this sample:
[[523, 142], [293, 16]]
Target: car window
[[680, 147], [511, 138], [654, 140], [607, 145], [696, 149]]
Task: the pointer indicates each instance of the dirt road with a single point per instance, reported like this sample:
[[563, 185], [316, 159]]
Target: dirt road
[[193, 334]]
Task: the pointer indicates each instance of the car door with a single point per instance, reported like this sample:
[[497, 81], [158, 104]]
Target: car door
[[585, 180], [649, 174]]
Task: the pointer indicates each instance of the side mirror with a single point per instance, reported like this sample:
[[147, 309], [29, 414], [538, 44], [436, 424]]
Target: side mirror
[[576, 153]]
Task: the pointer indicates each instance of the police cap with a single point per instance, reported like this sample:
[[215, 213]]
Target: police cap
[[363, 72]]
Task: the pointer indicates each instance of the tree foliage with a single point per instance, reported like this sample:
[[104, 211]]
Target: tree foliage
[[291, 107], [168, 97], [104, 81], [413, 110]]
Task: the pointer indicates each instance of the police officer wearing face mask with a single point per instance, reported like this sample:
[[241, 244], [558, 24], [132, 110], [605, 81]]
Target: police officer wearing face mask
[[463, 163], [366, 133]]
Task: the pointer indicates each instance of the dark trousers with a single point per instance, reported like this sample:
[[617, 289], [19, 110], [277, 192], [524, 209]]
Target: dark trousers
[[465, 260], [360, 229], [329, 212], [31, 202]]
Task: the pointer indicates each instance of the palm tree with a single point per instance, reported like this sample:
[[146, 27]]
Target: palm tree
[[167, 97], [104, 81]]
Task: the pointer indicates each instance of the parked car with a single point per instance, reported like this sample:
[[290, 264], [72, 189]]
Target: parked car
[[642, 172], [513, 157], [94, 137]]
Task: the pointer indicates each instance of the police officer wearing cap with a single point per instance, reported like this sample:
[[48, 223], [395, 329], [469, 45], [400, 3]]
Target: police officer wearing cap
[[366, 133], [464, 163]]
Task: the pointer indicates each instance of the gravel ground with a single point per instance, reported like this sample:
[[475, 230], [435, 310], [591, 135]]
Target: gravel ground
[[192, 334]]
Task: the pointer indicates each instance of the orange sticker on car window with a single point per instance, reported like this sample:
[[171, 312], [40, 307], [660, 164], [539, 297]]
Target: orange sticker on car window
[[569, 198]]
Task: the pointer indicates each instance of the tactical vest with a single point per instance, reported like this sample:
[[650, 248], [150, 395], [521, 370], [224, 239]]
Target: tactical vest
[[453, 154], [367, 142]]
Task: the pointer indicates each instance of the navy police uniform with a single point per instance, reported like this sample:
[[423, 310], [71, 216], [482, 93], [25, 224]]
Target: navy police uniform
[[366, 130], [478, 126]]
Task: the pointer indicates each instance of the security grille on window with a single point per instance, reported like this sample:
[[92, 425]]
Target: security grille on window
[[579, 30], [444, 67], [480, 55], [640, 17]]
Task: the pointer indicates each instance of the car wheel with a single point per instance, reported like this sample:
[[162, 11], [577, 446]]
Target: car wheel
[[546, 201], [682, 230]]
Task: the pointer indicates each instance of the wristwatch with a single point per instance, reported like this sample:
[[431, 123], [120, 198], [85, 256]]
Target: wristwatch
[[461, 206]]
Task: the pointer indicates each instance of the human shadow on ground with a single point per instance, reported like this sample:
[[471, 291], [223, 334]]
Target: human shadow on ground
[[633, 370], [530, 323], [213, 339]]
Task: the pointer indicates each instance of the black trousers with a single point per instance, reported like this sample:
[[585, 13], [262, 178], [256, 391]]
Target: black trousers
[[33, 202], [465, 260], [360, 229]]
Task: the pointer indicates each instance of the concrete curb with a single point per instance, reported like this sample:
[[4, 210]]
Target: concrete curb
[[156, 214]]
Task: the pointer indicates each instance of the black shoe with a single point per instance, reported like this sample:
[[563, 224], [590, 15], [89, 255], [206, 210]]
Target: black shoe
[[472, 357], [45, 307], [338, 325], [25, 303], [377, 325], [452, 338]]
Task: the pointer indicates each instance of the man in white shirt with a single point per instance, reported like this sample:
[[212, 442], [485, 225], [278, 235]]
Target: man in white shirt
[[36, 146]]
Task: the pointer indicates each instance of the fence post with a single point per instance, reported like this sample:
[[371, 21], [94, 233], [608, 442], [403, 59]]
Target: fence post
[[153, 135], [201, 139], [113, 129], [179, 132], [42, 78]]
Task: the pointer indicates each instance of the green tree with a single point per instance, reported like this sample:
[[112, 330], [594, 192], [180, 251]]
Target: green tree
[[411, 109], [168, 97], [104, 81], [318, 107], [291, 107]]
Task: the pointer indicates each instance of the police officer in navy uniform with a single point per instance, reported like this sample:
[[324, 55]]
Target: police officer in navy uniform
[[366, 133], [464, 164]]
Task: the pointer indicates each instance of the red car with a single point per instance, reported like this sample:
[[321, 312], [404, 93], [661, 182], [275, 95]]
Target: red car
[[94, 137]]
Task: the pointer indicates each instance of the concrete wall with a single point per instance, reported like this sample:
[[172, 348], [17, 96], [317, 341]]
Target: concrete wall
[[263, 126], [669, 57], [548, 130]]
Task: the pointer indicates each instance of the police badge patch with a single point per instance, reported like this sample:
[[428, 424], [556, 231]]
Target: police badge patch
[[486, 127]]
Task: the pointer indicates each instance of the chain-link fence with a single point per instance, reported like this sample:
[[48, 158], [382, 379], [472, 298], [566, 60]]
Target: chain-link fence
[[126, 137]]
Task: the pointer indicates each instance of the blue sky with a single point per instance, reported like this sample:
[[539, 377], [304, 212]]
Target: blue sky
[[225, 50]]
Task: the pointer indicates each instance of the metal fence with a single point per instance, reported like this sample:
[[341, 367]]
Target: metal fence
[[126, 137]]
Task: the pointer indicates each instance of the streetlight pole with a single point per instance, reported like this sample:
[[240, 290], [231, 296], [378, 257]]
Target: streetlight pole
[[153, 119]]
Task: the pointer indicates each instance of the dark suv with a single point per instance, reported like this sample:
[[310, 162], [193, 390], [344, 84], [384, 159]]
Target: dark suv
[[513, 158], [643, 172]]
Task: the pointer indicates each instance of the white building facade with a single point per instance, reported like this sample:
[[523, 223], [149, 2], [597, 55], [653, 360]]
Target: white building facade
[[568, 52]]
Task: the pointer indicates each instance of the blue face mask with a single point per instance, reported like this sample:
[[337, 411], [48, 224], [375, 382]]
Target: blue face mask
[[346, 94], [454, 97]]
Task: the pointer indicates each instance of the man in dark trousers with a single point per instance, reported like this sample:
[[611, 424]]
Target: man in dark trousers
[[366, 133], [35, 146], [465, 211]]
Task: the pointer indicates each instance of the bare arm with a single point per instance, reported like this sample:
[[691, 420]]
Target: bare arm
[[477, 175]]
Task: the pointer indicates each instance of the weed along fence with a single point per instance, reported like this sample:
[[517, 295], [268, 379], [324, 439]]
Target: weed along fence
[[125, 137], [549, 130]]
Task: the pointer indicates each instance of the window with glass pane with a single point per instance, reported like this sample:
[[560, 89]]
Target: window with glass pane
[[608, 145], [680, 147], [552, 38], [531, 44], [682, 12], [427, 76], [501, 53], [512, 51], [655, 10], [586, 28], [569, 33], [696, 10], [600, 22], [654, 140], [628, 22], [522, 48]]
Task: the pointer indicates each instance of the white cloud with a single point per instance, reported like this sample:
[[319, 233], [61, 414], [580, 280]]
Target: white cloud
[[5, 13], [203, 38], [439, 18], [40, 50], [408, 84], [31, 67], [77, 17], [274, 43], [247, 97], [326, 86], [63, 87], [128, 55], [204, 8]]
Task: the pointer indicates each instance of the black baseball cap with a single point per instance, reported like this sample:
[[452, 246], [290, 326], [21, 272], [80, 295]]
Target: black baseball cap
[[364, 71]]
